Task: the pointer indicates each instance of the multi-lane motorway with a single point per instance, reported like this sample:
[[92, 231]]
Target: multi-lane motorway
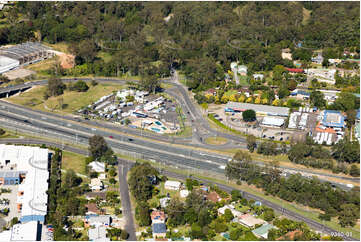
[[124, 166]]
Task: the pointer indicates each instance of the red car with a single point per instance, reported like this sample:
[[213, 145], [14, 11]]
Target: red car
[[111, 137]]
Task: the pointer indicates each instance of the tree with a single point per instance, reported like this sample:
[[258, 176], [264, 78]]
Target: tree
[[351, 117], [251, 143], [317, 99], [346, 151], [354, 170], [142, 214], [236, 195], [228, 215], [80, 86], [55, 87], [2, 132], [97, 146], [234, 234], [150, 83], [139, 182], [269, 215], [196, 231], [249, 115], [175, 211], [349, 214]]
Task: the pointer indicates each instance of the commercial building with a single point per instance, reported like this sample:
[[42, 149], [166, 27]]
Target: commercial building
[[27, 53], [7, 64], [30, 231], [272, 121], [28, 167], [261, 110], [333, 119]]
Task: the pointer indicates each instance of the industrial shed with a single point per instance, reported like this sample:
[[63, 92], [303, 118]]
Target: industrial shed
[[27, 53], [7, 64], [261, 110]]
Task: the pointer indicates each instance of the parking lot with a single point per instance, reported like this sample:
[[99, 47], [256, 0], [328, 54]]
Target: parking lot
[[137, 109]]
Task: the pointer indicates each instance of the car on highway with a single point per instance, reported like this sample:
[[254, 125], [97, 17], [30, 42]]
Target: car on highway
[[111, 137]]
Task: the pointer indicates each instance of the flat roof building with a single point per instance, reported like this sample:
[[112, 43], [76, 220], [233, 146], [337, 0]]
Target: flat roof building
[[262, 110], [333, 119], [30, 231], [31, 164], [7, 64]]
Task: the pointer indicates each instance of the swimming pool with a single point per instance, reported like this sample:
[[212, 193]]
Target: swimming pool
[[158, 123], [155, 129]]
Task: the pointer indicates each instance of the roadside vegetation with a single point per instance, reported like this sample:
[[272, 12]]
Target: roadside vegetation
[[59, 97], [334, 202]]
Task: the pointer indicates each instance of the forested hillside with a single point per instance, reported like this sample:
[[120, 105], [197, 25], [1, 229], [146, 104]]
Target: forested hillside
[[201, 38]]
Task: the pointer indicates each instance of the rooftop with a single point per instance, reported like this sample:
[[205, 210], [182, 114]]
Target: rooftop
[[159, 228], [34, 162], [270, 110], [263, 230], [333, 118]]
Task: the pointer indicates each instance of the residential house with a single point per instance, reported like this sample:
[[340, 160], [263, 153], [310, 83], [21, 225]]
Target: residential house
[[214, 197], [172, 185], [97, 166], [96, 185], [92, 209], [157, 217], [159, 230], [249, 221], [262, 232], [230, 207], [98, 234], [97, 220]]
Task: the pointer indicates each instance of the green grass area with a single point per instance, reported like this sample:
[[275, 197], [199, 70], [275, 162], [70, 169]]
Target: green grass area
[[9, 134], [223, 126], [243, 80], [72, 101], [166, 85], [185, 132], [216, 140], [73, 161], [105, 56], [230, 93]]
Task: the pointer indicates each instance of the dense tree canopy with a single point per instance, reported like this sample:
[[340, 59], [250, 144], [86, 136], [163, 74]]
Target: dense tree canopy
[[201, 38]]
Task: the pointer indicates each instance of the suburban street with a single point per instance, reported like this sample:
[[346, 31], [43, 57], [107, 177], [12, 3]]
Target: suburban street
[[123, 168], [124, 187]]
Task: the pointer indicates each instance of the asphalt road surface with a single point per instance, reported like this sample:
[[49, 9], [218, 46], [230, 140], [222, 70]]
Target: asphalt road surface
[[123, 168], [313, 224]]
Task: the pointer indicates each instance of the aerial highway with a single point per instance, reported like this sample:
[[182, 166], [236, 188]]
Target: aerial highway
[[160, 150], [147, 149], [125, 165]]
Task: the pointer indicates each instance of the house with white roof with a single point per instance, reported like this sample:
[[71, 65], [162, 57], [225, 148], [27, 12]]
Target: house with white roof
[[96, 185], [172, 185], [97, 166]]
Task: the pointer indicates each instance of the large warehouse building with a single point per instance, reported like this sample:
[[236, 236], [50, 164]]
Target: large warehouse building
[[261, 110], [7, 64], [26, 167], [23, 54]]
